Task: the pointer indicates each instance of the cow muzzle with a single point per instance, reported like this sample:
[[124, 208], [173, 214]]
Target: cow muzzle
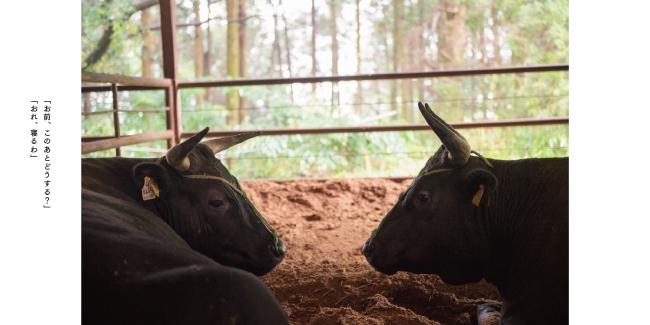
[[280, 252], [367, 248]]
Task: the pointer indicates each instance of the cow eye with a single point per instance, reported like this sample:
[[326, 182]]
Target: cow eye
[[216, 203], [423, 198]]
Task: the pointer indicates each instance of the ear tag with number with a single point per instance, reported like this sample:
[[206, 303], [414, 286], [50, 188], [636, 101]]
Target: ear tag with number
[[150, 189], [479, 194]]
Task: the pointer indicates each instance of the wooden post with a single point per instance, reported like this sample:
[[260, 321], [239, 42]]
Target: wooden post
[[116, 118], [170, 67]]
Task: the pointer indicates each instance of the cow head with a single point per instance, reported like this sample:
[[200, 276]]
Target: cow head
[[436, 225], [199, 198]]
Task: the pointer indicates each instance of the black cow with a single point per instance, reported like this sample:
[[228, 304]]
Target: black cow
[[465, 218], [156, 234]]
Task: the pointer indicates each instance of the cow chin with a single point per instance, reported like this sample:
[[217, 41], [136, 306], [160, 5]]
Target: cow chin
[[386, 271], [262, 271], [242, 260], [380, 268], [458, 277]]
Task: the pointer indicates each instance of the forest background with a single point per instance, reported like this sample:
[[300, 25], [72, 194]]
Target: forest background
[[239, 39]]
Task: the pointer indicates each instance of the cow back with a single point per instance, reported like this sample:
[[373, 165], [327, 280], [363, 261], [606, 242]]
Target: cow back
[[137, 270]]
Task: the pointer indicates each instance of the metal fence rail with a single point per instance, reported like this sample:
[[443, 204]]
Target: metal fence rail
[[377, 76], [359, 77], [392, 128], [113, 142], [117, 140], [126, 80], [148, 83]]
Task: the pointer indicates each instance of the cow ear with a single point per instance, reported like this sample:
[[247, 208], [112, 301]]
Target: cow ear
[[155, 172], [479, 184]]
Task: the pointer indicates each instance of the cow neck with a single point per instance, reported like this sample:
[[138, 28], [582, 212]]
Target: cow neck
[[236, 188], [518, 204], [519, 241], [113, 174], [431, 172]]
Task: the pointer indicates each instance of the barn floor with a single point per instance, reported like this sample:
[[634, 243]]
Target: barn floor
[[325, 279]]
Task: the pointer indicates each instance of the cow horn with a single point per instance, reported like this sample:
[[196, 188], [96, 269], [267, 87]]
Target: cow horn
[[458, 149], [177, 155], [221, 144]]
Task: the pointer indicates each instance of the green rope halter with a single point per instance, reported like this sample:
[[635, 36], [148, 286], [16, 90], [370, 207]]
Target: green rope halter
[[403, 194], [487, 162], [232, 187]]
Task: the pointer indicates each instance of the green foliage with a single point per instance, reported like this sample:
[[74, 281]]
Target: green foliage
[[130, 122], [97, 17], [499, 33], [382, 153]]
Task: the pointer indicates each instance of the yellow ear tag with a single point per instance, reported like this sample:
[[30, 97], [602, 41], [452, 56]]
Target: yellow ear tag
[[154, 187], [150, 189], [479, 194]]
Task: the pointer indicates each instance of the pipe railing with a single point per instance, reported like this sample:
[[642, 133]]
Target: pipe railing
[[118, 140], [358, 77], [125, 80], [147, 110], [136, 83], [112, 142], [393, 128], [376, 76]]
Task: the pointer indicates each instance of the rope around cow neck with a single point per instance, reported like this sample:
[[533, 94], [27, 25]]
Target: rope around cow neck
[[232, 187]]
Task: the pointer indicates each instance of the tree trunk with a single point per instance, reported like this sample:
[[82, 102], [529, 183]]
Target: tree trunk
[[243, 52], [398, 55], [147, 58], [452, 36], [359, 99], [496, 61], [87, 105], [398, 34], [335, 53], [275, 51], [313, 49], [232, 59], [408, 86], [287, 50], [421, 50], [198, 48], [206, 54], [105, 39], [146, 48]]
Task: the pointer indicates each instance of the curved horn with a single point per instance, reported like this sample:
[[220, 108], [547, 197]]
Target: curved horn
[[458, 149], [221, 144], [177, 155]]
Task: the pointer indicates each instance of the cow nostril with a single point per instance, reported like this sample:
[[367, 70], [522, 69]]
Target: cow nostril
[[280, 251], [366, 249]]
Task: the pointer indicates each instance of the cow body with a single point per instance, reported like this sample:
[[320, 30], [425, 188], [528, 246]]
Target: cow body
[[146, 261], [474, 218]]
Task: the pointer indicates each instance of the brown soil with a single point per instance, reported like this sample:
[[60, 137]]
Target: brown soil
[[325, 279]]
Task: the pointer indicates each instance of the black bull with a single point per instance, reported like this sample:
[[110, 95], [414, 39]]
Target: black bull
[[161, 260], [465, 218]]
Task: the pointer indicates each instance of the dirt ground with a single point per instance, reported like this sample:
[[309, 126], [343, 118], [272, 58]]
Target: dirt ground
[[325, 279]]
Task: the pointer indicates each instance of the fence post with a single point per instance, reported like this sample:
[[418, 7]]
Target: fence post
[[170, 67], [116, 118]]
